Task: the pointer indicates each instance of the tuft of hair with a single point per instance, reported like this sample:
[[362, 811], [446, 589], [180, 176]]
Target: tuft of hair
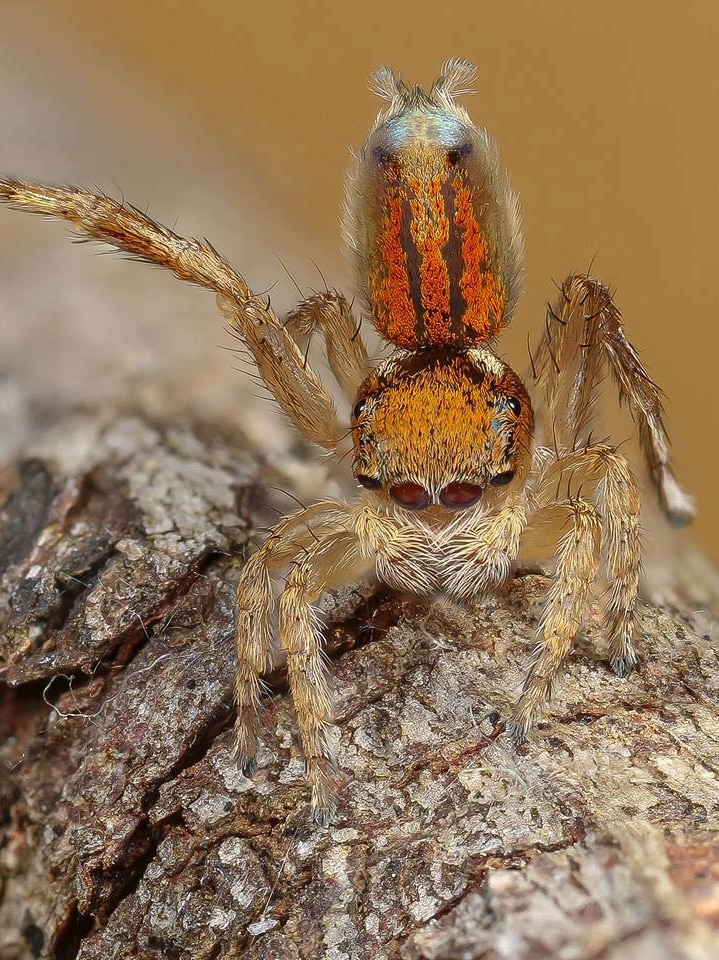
[[455, 80], [386, 84]]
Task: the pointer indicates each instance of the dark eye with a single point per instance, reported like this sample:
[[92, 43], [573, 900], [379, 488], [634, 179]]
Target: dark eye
[[455, 154], [358, 408], [382, 155], [410, 495], [460, 495], [372, 483], [514, 405], [502, 479]]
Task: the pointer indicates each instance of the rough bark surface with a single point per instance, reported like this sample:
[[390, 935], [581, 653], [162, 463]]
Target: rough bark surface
[[126, 831]]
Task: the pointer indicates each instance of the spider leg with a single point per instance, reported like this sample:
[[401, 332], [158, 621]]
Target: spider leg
[[601, 471], [288, 540], [337, 559], [281, 363], [365, 539], [330, 313], [577, 562], [584, 331]]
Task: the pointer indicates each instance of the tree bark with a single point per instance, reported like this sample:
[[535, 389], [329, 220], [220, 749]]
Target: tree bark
[[127, 831]]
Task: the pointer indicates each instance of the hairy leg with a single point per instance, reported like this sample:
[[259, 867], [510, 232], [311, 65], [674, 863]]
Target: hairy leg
[[289, 539], [330, 313], [333, 561], [328, 545], [583, 332], [577, 562], [600, 471], [280, 362]]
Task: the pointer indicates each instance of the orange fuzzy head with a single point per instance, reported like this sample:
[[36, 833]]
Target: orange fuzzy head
[[432, 220], [442, 427]]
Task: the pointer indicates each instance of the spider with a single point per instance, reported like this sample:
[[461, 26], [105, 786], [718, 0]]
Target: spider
[[455, 486]]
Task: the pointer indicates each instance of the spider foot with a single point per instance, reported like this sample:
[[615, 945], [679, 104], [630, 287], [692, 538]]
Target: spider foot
[[246, 761], [246, 741], [623, 666], [517, 730], [325, 815], [321, 774], [536, 692]]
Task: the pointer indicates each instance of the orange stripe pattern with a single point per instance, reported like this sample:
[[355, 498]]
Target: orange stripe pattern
[[429, 228], [432, 277], [482, 289], [390, 285]]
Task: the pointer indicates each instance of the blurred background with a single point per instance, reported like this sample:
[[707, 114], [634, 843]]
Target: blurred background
[[234, 121]]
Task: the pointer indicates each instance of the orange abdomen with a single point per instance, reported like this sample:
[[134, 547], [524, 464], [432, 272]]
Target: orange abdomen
[[435, 228], [432, 278]]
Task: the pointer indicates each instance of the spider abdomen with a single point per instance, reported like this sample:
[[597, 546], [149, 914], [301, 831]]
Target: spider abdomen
[[435, 227]]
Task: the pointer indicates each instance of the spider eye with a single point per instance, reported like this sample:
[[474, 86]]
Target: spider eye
[[382, 155], [372, 483], [410, 495], [514, 405], [455, 154], [458, 495], [502, 479], [358, 408]]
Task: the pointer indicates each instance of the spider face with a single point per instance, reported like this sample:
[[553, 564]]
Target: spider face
[[442, 428]]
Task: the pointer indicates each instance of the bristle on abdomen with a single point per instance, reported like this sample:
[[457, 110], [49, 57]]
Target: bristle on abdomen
[[432, 221]]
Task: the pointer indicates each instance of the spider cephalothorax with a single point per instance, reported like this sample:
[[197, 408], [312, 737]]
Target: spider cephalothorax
[[441, 426], [458, 484]]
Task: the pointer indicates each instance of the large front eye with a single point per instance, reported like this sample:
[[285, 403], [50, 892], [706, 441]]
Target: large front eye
[[410, 495], [458, 495]]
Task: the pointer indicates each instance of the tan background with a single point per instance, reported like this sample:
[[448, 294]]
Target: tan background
[[234, 120]]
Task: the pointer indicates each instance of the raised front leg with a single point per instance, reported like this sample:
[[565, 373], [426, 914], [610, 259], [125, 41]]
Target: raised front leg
[[280, 361], [583, 332]]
